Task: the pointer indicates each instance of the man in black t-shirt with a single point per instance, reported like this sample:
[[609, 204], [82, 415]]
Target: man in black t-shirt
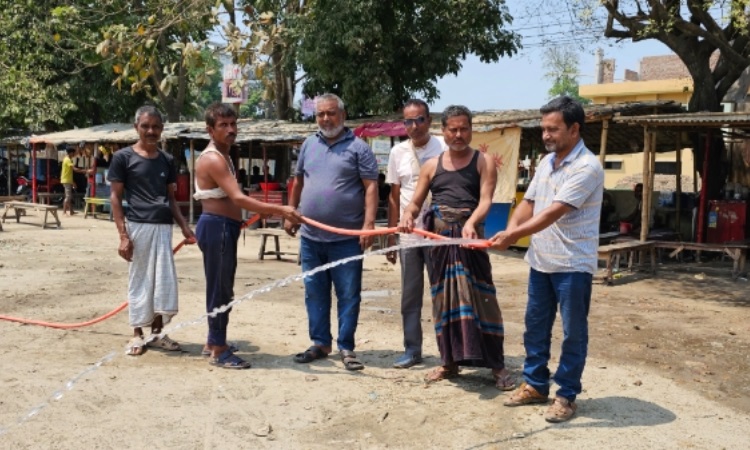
[[145, 177]]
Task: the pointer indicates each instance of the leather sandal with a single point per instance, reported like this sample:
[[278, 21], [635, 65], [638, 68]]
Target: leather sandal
[[525, 395], [349, 358], [561, 410], [310, 355]]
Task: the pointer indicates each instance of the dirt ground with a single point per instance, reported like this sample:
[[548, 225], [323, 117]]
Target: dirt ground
[[668, 367]]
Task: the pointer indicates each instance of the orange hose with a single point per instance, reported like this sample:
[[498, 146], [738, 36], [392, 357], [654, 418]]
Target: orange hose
[[68, 326], [382, 231]]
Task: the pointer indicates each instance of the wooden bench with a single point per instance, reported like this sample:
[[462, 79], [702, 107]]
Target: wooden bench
[[736, 251], [274, 233], [613, 252], [100, 201], [91, 202], [21, 207]]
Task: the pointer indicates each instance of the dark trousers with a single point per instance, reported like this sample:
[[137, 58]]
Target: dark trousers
[[412, 292], [217, 238]]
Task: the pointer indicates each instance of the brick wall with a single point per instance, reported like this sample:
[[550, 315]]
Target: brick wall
[[667, 67], [608, 70], [631, 75]]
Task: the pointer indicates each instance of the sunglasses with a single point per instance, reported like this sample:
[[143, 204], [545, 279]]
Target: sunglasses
[[418, 121]]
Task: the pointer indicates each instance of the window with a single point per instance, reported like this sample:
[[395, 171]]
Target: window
[[666, 167], [612, 165]]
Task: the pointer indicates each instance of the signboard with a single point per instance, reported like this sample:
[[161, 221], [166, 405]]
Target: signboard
[[234, 84], [381, 147]]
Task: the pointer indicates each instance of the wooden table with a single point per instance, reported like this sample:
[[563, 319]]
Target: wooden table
[[736, 251], [274, 233], [613, 252], [21, 207]]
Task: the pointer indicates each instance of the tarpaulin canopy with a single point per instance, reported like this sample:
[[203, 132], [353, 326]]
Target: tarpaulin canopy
[[375, 129]]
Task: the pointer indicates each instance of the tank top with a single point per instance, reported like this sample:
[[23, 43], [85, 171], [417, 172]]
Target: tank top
[[217, 192], [456, 188]]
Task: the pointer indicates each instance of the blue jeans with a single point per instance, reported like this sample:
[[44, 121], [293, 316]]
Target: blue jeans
[[346, 280], [572, 292]]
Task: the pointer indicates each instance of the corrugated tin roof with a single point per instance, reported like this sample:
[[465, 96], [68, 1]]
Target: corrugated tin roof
[[698, 119], [281, 131]]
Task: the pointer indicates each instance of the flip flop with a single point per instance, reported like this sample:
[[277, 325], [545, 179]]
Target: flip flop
[[350, 360], [310, 355], [232, 348], [228, 360], [136, 346], [163, 342]]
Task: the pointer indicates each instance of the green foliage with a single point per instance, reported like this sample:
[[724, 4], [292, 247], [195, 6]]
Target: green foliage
[[376, 54], [47, 81], [562, 64]]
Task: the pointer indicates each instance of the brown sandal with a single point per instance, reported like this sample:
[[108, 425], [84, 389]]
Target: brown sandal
[[441, 373], [561, 410], [525, 395]]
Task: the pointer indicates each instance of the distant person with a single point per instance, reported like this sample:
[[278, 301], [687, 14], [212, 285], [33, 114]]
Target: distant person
[[465, 311], [560, 211], [384, 191], [66, 178], [336, 184], [636, 216], [146, 176], [219, 226], [255, 176], [267, 175], [404, 164], [242, 177]]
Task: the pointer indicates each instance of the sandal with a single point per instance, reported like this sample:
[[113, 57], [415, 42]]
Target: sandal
[[136, 346], [504, 381], [525, 395], [163, 342], [561, 410], [441, 373], [310, 355], [349, 358], [232, 348], [228, 360]]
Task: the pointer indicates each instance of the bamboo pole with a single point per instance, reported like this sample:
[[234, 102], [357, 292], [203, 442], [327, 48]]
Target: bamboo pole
[[603, 142], [646, 167], [678, 186]]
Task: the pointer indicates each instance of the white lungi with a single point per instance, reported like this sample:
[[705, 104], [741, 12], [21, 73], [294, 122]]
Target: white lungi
[[152, 284]]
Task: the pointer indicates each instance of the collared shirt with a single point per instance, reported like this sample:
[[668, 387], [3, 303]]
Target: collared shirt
[[571, 243], [404, 171], [333, 192]]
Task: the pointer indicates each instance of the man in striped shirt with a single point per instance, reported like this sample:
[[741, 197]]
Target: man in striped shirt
[[561, 211]]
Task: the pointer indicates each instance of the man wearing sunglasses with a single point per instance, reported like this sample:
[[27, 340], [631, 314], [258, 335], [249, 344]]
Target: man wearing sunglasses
[[404, 164]]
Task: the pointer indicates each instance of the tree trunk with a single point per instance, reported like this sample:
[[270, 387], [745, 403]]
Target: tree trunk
[[280, 86], [706, 99]]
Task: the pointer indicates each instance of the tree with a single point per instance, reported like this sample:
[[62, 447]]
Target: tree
[[43, 85], [693, 30], [377, 54], [562, 64], [355, 48]]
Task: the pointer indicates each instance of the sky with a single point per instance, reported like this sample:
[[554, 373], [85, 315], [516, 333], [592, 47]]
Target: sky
[[518, 82]]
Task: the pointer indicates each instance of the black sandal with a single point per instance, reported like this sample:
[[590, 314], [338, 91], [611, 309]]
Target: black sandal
[[310, 355], [349, 358]]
